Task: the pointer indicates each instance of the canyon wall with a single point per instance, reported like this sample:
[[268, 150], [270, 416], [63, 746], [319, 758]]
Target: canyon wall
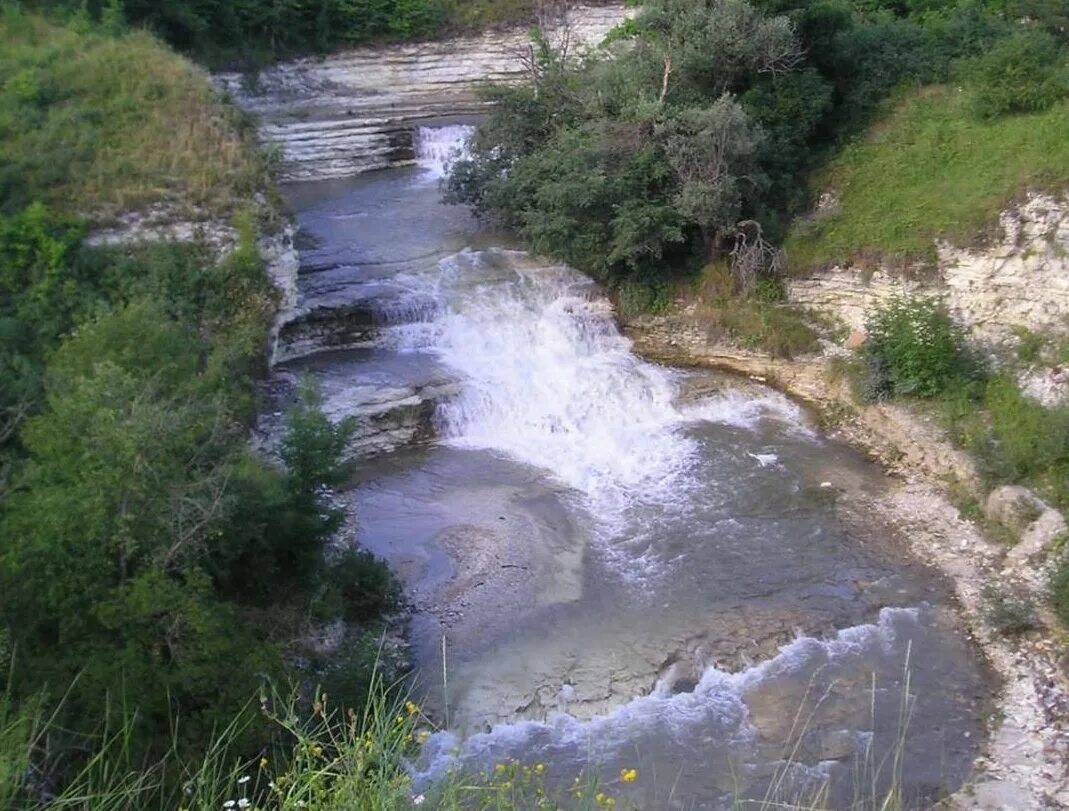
[[354, 111]]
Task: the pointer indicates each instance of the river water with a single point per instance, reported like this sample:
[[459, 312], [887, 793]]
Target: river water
[[626, 565]]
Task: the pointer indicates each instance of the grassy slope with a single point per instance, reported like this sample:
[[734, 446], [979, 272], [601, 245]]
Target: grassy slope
[[93, 125], [927, 170]]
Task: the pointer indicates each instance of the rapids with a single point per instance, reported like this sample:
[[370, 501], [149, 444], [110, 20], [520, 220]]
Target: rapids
[[628, 565]]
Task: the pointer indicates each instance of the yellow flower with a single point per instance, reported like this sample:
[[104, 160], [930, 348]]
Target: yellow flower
[[628, 775], [539, 768], [263, 763], [599, 798], [411, 707], [500, 768]]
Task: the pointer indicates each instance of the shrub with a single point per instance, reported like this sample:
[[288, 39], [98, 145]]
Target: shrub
[[1059, 590], [358, 587], [913, 349], [1023, 73], [1008, 614], [1028, 441]]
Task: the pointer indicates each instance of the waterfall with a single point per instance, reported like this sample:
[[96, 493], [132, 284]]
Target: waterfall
[[548, 379], [438, 147]]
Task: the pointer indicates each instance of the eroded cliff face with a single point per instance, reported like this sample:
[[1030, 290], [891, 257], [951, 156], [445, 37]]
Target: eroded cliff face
[[1020, 279], [353, 112]]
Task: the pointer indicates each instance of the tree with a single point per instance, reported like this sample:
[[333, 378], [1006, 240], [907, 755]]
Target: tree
[[711, 151]]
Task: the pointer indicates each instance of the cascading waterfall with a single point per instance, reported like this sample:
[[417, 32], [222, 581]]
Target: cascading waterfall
[[607, 549], [549, 380], [437, 148]]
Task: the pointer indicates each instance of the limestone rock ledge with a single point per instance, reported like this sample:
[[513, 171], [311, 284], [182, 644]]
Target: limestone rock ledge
[[354, 111], [1020, 279]]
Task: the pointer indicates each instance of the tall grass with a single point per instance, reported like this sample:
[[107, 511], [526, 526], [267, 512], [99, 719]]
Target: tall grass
[[930, 169], [336, 759], [94, 124]]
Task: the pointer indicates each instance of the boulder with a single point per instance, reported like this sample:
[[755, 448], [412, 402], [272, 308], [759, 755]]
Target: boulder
[[856, 340], [1013, 507]]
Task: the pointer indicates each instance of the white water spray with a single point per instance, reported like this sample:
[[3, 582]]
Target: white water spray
[[437, 148], [549, 380]]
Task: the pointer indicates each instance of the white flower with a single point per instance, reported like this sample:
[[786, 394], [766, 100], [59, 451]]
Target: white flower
[[229, 804], [243, 780], [244, 803], [418, 799]]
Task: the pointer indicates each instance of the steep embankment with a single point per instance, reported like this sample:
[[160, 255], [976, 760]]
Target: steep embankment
[[935, 201], [354, 111]]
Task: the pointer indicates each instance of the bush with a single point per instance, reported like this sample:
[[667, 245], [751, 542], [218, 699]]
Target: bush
[[913, 349], [1008, 614], [1027, 441], [1024, 73], [358, 587], [1059, 591]]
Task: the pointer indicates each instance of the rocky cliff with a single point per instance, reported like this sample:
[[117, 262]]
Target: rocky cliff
[[353, 112], [1019, 279]]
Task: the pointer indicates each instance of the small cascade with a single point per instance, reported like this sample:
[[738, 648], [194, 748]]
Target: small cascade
[[437, 148], [548, 379]]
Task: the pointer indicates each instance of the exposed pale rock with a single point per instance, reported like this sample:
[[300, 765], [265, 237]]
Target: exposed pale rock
[[1038, 536], [1013, 506], [1019, 280], [856, 339], [353, 112], [164, 223], [1049, 387]]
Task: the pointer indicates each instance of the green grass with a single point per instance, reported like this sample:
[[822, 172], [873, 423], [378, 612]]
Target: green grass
[[324, 757], [759, 319], [930, 170], [93, 124]]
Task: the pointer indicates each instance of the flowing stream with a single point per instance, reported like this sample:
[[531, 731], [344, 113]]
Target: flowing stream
[[627, 565]]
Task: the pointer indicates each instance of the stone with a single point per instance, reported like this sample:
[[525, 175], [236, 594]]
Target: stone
[[856, 339], [1048, 387], [355, 111], [1038, 536], [1013, 506], [1019, 280]]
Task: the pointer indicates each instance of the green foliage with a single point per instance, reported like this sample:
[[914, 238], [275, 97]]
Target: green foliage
[[253, 31], [149, 560], [930, 170], [640, 159], [358, 587], [1008, 614], [1027, 441], [645, 159], [38, 297], [913, 349], [92, 124], [1024, 73], [1059, 590]]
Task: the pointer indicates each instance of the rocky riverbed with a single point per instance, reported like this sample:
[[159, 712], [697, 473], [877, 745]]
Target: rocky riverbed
[[1025, 764]]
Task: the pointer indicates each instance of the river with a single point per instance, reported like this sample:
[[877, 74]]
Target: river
[[626, 565]]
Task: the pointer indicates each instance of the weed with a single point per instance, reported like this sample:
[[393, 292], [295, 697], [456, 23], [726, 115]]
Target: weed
[[1010, 615]]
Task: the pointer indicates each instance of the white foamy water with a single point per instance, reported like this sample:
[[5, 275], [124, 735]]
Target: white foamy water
[[549, 380], [438, 147], [716, 717]]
